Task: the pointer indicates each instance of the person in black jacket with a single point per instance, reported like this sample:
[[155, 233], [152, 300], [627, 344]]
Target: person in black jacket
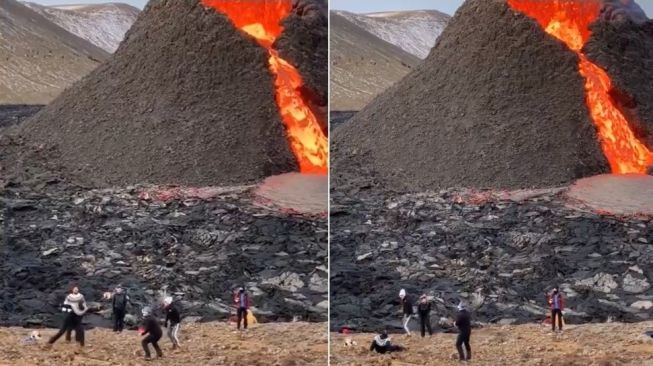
[[152, 330], [381, 344], [172, 316], [424, 311], [464, 324], [119, 305], [407, 308]]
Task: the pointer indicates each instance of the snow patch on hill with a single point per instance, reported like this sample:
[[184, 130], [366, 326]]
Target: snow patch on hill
[[104, 25], [413, 31]]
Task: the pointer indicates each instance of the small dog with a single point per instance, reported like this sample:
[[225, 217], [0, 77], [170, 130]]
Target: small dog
[[33, 338]]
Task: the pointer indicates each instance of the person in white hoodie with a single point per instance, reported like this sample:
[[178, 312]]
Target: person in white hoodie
[[407, 310], [74, 308]]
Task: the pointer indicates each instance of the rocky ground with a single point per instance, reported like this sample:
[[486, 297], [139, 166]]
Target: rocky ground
[[498, 251], [590, 344], [198, 244], [202, 344]]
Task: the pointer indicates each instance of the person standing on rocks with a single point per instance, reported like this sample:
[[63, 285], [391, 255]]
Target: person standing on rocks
[[242, 307], [464, 325], [424, 311], [174, 318], [119, 302], [557, 303], [74, 308], [407, 308], [152, 330]]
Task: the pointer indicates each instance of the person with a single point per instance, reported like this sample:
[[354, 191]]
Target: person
[[464, 325], [424, 311], [557, 303], [407, 308], [174, 318], [242, 306], [119, 302], [74, 308], [152, 330], [381, 344]]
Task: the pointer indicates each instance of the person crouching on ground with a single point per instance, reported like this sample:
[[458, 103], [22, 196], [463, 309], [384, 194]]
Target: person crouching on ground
[[381, 344], [152, 330], [74, 308], [424, 311], [174, 318], [557, 303], [464, 324], [242, 306], [407, 309]]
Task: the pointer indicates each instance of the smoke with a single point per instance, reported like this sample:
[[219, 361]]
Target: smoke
[[622, 10]]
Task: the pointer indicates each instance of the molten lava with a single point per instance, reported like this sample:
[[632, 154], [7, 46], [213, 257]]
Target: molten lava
[[262, 20], [569, 21]]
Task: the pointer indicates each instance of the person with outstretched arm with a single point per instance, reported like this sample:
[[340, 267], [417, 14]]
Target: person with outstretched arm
[[242, 306], [424, 311], [381, 344], [119, 304], [557, 303], [407, 309], [74, 308], [174, 318], [152, 330], [464, 325]]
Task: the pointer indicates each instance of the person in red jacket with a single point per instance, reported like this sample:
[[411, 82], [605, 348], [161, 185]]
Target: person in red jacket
[[557, 303], [242, 305]]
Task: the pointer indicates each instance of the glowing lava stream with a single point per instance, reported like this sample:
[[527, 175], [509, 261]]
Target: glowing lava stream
[[262, 20], [569, 21]]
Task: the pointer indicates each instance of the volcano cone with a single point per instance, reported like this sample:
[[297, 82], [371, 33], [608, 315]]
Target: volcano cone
[[187, 99], [499, 103]]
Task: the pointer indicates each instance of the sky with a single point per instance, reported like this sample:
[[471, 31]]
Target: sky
[[368, 6], [136, 3], [356, 6], [445, 6]]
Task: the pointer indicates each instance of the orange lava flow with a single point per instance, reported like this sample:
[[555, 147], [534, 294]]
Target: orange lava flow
[[261, 19], [569, 21]]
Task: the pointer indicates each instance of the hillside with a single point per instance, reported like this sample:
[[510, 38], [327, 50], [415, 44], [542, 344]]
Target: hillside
[[38, 59], [413, 31], [362, 65], [104, 25]]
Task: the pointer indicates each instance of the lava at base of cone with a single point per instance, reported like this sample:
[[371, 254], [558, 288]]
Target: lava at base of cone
[[295, 192], [620, 195]]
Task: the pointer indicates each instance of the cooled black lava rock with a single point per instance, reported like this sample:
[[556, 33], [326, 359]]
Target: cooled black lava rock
[[197, 250], [498, 256]]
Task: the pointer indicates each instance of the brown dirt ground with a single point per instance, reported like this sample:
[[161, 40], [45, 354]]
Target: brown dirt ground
[[590, 344], [279, 344]]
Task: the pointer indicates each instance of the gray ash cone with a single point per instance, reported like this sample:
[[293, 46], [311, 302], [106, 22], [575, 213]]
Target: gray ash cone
[[186, 99], [499, 103]]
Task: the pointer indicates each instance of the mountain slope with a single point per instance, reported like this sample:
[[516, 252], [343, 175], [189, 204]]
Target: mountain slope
[[362, 65], [413, 31], [38, 59], [104, 25]]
